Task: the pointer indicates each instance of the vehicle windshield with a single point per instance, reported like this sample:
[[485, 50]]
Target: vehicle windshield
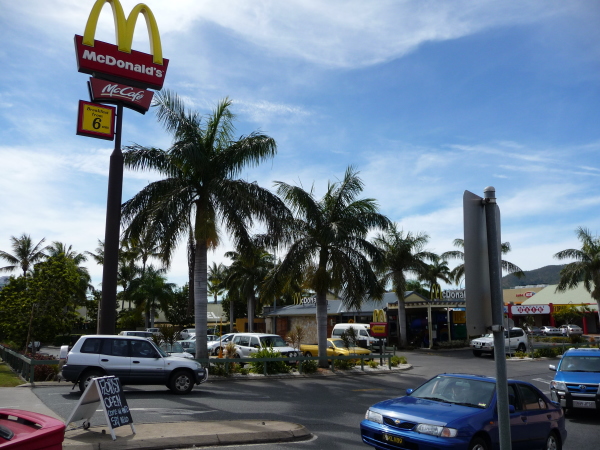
[[272, 341], [172, 348], [460, 391], [160, 350], [338, 343], [580, 364]]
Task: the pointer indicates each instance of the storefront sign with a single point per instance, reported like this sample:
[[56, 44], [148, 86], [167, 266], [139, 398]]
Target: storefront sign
[[529, 309], [110, 92], [456, 294], [379, 329], [527, 294], [119, 62], [96, 120]]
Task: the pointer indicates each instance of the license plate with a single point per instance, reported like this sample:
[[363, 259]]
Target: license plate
[[392, 438], [584, 404]]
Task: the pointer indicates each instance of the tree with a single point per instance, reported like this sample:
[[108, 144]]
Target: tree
[[216, 276], [459, 271], [402, 254], [200, 190], [177, 313], [248, 270], [586, 267], [330, 234], [24, 254], [59, 248], [152, 292], [437, 270]]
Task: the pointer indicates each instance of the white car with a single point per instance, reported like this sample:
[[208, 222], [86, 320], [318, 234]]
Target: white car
[[515, 340], [248, 343], [186, 332], [571, 330], [176, 349], [213, 346]]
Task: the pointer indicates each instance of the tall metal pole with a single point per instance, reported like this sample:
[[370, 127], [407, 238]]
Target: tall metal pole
[[107, 314], [492, 218]]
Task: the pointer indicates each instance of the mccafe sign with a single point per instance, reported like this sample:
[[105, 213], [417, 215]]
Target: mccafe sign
[[110, 92], [119, 63]]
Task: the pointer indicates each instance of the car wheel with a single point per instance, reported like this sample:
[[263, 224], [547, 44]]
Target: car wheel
[[182, 382], [87, 376], [521, 348], [309, 354], [478, 443], [553, 442], [477, 352]]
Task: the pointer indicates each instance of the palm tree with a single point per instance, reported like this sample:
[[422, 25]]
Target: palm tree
[[216, 276], [152, 292], [402, 254], [200, 189], [585, 269], [60, 248], [459, 271], [330, 234], [246, 275], [437, 270], [24, 254]]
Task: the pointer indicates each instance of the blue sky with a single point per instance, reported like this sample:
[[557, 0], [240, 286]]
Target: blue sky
[[426, 98]]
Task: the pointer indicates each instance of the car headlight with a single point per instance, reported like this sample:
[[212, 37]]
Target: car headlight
[[435, 430], [374, 416], [558, 385]]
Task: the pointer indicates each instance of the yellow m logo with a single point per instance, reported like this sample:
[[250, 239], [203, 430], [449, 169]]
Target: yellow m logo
[[379, 315], [436, 292], [124, 28]]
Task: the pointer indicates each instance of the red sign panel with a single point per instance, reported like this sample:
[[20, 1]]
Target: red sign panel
[[106, 61], [110, 92], [379, 329]]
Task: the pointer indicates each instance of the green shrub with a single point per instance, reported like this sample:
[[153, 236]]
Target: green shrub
[[310, 366], [343, 364], [396, 360], [520, 354], [273, 367], [373, 364]]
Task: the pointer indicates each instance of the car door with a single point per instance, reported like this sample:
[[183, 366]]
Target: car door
[[242, 345], [147, 365], [518, 422], [114, 358], [535, 414]]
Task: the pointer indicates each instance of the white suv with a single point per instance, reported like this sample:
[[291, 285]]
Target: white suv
[[248, 343], [135, 360], [515, 339]]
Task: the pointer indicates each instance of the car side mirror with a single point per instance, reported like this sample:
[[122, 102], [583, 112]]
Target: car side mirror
[[552, 367], [409, 391]]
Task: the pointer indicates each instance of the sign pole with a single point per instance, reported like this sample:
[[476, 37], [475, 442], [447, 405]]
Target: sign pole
[[107, 316]]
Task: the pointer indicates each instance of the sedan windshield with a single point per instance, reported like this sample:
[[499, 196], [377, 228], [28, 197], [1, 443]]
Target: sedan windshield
[[460, 391], [272, 341]]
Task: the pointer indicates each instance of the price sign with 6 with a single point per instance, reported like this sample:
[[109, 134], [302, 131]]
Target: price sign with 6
[[96, 120]]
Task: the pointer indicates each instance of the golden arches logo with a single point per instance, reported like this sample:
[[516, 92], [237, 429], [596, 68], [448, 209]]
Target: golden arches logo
[[124, 28], [436, 292], [379, 315]]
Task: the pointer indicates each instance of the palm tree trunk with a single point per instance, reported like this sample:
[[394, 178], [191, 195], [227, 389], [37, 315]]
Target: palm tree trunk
[[231, 316], [322, 328], [251, 313], [402, 334], [200, 297]]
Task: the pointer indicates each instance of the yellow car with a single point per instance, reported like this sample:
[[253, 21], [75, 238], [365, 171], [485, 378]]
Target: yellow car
[[335, 347]]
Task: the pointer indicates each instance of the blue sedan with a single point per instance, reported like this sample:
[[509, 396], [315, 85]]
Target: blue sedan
[[457, 411]]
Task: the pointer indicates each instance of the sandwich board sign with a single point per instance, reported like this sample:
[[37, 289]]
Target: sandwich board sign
[[107, 392]]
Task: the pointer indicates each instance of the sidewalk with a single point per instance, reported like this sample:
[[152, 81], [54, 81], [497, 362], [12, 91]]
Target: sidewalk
[[169, 435]]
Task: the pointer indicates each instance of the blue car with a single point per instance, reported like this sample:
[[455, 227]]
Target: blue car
[[577, 380], [458, 412]]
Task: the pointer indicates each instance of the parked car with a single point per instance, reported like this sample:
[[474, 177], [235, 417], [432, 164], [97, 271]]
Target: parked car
[[533, 331], [335, 347], [514, 340], [36, 344], [248, 343], [577, 379], [154, 331], [550, 331], [213, 346], [571, 330], [176, 349], [457, 411], [144, 334], [363, 333], [186, 332], [135, 360], [26, 430]]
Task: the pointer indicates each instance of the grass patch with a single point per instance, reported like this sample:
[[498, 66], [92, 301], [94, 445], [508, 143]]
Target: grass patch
[[7, 377]]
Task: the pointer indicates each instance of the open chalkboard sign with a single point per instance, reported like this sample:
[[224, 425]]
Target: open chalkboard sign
[[107, 392]]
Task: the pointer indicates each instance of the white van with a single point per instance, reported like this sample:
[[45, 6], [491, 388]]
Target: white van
[[363, 333]]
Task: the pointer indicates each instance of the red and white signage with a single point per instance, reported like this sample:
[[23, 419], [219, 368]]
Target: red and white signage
[[105, 60], [529, 309], [527, 294], [110, 92]]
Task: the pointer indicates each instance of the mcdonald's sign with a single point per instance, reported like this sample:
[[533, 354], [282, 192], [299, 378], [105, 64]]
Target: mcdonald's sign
[[436, 292], [119, 63], [379, 315]]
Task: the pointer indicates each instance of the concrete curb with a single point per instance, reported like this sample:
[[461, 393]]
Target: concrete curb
[[180, 435]]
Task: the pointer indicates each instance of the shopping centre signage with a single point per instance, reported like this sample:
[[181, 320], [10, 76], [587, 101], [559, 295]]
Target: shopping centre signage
[[119, 62], [529, 309]]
